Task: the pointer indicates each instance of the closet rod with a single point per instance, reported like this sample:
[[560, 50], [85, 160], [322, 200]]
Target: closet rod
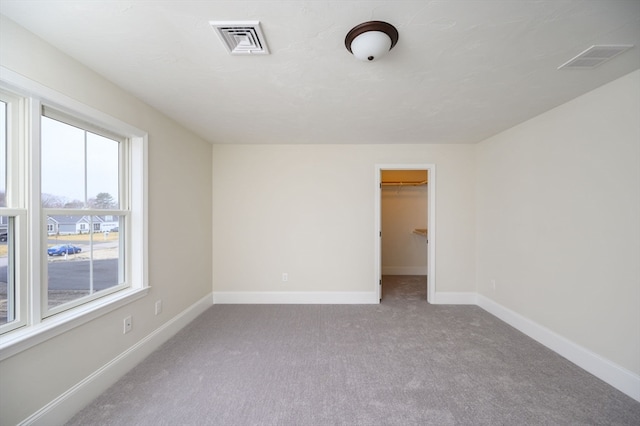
[[424, 182]]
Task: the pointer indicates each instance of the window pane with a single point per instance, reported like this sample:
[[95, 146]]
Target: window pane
[[3, 154], [79, 168], [84, 256], [63, 165], [102, 172], [7, 283], [107, 265]]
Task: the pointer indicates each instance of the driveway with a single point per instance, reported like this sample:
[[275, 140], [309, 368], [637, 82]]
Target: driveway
[[74, 275]]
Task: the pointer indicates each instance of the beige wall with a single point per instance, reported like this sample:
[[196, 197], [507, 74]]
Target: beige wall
[[179, 215], [309, 210], [404, 208], [558, 228]]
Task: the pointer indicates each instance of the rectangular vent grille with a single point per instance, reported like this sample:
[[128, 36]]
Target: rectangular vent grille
[[241, 37], [594, 56]]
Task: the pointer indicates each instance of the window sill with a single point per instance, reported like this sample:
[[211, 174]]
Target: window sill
[[26, 337]]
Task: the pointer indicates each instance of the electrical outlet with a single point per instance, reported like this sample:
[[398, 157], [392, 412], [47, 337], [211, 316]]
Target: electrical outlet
[[158, 307], [128, 324], [493, 284], [285, 277]]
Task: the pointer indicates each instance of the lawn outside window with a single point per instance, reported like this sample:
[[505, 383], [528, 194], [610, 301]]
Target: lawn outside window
[[76, 223]]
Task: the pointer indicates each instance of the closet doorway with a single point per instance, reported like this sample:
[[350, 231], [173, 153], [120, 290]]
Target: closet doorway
[[406, 226]]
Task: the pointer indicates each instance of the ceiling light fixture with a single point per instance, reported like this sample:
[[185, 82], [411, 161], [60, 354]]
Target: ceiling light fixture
[[371, 40]]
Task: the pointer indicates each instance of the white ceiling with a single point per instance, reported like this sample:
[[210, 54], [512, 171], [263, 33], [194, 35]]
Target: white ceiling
[[461, 71]]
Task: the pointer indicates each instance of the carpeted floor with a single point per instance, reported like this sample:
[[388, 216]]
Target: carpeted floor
[[403, 362]]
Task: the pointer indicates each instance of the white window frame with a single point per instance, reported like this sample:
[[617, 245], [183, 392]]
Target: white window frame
[[86, 225], [36, 328], [15, 201]]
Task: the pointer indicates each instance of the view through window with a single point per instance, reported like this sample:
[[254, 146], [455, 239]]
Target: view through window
[[80, 173], [73, 230]]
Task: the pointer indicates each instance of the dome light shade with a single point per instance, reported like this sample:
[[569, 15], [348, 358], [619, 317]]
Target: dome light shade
[[371, 45], [371, 40]]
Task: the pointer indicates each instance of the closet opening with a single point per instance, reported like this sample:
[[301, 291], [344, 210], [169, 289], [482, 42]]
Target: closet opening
[[405, 222]]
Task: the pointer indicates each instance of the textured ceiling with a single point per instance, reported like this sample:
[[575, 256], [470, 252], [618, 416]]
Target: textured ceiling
[[461, 71]]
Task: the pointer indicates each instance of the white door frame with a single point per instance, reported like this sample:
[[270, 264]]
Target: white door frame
[[431, 224]]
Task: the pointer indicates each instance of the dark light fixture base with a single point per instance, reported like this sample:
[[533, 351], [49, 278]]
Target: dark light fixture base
[[381, 26]]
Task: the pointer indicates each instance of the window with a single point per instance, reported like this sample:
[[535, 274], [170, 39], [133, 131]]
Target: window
[[6, 283], [80, 172], [72, 213], [12, 217]]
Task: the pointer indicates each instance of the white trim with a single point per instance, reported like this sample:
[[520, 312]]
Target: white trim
[[295, 297], [66, 405], [613, 374], [20, 340], [431, 224], [28, 87], [38, 329], [454, 298], [405, 270], [138, 175], [15, 210]]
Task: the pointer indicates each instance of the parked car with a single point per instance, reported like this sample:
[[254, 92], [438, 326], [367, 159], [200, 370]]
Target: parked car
[[3, 236], [63, 249]]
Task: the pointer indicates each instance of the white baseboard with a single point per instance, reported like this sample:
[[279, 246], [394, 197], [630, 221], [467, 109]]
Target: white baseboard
[[454, 298], [65, 406], [295, 297], [615, 375]]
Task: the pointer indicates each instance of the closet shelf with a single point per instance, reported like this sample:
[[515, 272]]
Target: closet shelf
[[420, 231]]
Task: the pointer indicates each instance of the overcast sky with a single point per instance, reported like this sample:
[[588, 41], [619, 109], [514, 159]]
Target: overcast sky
[[63, 162]]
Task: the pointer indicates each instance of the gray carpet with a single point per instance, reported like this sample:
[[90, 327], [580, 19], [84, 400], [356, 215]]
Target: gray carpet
[[403, 362]]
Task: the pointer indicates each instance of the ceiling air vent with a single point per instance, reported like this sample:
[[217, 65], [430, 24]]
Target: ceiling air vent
[[241, 37], [594, 56]]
